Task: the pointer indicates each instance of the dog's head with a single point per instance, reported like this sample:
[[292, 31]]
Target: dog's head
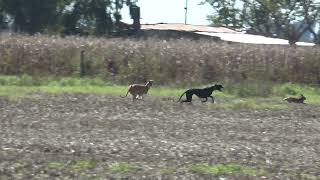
[[149, 83], [302, 97], [218, 87]]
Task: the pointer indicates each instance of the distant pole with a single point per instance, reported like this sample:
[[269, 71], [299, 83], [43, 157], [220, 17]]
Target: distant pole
[[186, 12], [82, 68]]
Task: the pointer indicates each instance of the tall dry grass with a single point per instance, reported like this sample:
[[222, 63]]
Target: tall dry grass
[[179, 62]]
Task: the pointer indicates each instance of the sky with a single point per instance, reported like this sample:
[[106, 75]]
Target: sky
[[171, 11]]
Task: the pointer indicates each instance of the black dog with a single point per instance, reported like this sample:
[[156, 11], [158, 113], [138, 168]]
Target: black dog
[[201, 93]]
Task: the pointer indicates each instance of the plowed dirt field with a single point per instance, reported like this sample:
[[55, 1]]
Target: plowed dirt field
[[81, 136]]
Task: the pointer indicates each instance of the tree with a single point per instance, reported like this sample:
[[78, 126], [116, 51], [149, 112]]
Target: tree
[[33, 15], [288, 19], [311, 14], [2, 16], [226, 13], [96, 17]]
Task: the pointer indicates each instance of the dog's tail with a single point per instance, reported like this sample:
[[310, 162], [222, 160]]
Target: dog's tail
[[127, 93], [181, 96]]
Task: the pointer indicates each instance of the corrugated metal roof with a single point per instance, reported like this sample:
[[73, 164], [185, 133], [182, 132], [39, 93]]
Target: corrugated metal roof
[[251, 38], [186, 27], [224, 33]]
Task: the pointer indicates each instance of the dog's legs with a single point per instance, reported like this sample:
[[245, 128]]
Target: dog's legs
[[141, 97], [189, 98], [205, 100], [212, 98], [134, 97]]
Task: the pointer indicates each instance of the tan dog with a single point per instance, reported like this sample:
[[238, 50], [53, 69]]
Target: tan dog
[[138, 90]]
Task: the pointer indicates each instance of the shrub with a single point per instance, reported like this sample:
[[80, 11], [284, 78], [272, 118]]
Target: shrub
[[180, 62]]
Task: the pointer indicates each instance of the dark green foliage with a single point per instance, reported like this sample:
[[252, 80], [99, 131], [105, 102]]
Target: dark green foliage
[[33, 15], [225, 13], [82, 17], [2, 16], [88, 17]]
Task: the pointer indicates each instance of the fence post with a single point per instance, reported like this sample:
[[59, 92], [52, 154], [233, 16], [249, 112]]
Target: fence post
[[82, 66]]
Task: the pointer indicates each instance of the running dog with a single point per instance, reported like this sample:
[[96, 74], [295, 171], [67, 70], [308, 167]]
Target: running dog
[[201, 93], [300, 100]]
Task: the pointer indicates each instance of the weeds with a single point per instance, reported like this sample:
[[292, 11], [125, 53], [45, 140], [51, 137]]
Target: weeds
[[122, 168], [80, 165], [179, 62], [250, 89], [168, 170], [55, 165], [226, 170]]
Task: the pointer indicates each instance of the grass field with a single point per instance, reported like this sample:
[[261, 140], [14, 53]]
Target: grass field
[[248, 95]]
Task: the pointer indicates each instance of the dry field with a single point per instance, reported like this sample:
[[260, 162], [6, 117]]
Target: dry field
[[178, 62], [83, 136]]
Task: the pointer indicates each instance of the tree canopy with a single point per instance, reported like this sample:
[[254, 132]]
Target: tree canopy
[[288, 19], [97, 17]]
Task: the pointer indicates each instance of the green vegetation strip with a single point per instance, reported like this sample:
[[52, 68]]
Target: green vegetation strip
[[80, 166], [242, 96], [219, 170], [56, 165], [14, 86], [122, 168]]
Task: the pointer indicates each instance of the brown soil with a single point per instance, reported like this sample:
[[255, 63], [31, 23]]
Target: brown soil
[[153, 135]]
